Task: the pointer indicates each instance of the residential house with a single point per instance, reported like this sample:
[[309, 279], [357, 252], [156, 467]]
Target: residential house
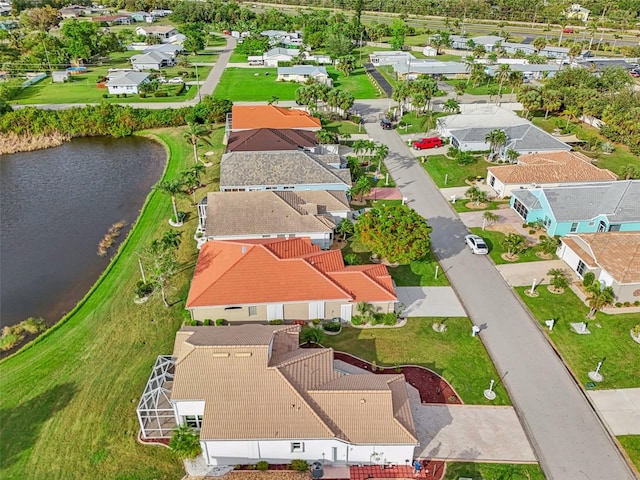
[[164, 32], [282, 279], [113, 19], [127, 82], [598, 64], [269, 139], [613, 257], [257, 215], [558, 53], [275, 36], [282, 170], [576, 11], [546, 169], [153, 60], [589, 208], [159, 12], [411, 69], [389, 58], [469, 129], [254, 395], [142, 17], [169, 48], [250, 117], [74, 11], [529, 70], [489, 42], [276, 55], [302, 74]]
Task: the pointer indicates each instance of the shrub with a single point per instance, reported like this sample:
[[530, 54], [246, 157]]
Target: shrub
[[588, 279], [220, 322], [312, 335], [142, 95], [276, 322], [332, 326], [9, 341], [299, 465], [262, 466], [160, 94], [185, 442], [207, 322], [105, 95], [627, 304], [389, 318], [193, 323], [180, 89], [532, 231], [635, 331], [35, 325], [143, 289], [618, 304], [356, 320], [376, 319], [636, 303], [316, 321]]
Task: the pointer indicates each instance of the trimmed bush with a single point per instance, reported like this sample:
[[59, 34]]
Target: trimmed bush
[[299, 465], [160, 94], [143, 289], [220, 322], [389, 318], [588, 279], [207, 322], [356, 320], [262, 466], [332, 326], [276, 322], [618, 304]]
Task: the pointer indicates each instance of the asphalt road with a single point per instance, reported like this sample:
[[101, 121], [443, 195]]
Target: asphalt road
[[566, 433]]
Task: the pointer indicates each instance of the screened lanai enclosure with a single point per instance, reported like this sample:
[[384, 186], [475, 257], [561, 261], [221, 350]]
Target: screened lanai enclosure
[[155, 411]]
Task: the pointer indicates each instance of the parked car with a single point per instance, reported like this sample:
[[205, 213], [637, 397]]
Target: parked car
[[386, 124], [634, 73], [567, 30], [430, 142], [176, 80], [476, 244]]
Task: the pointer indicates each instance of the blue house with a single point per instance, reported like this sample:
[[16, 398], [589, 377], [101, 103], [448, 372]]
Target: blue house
[[590, 208]]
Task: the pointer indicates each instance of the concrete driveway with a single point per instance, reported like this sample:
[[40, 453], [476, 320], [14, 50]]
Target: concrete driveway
[[430, 302], [522, 274], [620, 409]]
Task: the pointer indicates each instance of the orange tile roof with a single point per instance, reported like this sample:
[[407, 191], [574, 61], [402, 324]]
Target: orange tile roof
[[279, 270], [616, 252], [554, 167], [245, 117]]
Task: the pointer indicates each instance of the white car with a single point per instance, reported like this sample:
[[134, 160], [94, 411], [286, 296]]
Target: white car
[[476, 244], [176, 80]]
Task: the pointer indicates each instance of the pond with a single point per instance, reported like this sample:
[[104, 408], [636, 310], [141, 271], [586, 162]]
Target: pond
[[56, 205]]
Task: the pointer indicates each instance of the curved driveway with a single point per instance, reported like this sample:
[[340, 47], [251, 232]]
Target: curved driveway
[[567, 435]]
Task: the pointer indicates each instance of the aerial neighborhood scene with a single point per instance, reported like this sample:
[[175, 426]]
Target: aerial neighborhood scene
[[346, 240]]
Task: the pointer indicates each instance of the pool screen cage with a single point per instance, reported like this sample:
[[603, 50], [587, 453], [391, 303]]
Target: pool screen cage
[[155, 411]]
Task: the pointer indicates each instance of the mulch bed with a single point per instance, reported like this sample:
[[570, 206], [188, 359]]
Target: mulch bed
[[154, 441], [431, 386]]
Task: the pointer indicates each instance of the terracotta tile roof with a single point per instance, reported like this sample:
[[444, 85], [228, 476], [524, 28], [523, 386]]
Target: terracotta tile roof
[[277, 270], [616, 252], [266, 139], [553, 167], [294, 395], [264, 212], [250, 117]]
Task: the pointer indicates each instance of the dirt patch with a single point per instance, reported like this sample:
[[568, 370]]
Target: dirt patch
[[544, 256], [504, 206], [505, 228], [555, 291], [509, 258], [474, 206]]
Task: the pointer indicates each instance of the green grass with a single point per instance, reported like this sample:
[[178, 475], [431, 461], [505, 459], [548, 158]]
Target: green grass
[[68, 401], [631, 444], [455, 355], [460, 205], [357, 83], [415, 123], [494, 242], [237, 57], [439, 166], [609, 338], [343, 127], [614, 161], [477, 471], [481, 89], [389, 74]]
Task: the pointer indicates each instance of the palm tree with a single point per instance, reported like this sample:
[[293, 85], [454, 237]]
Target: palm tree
[[490, 218], [511, 155], [451, 106], [503, 73], [514, 243], [366, 310], [539, 43], [326, 137], [459, 88], [195, 133], [400, 95], [351, 259], [496, 139], [362, 187], [548, 245], [345, 228], [173, 188], [312, 335], [599, 298], [185, 442], [476, 195]]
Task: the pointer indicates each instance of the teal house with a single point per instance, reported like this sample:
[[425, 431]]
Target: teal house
[[589, 208]]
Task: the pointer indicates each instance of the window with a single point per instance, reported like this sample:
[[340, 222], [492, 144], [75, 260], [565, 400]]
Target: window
[[194, 421], [520, 208], [614, 227], [253, 311], [574, 227], [297, 446], [580, 269], [492, 180], [546, 222], [233, 308], [602, 227]]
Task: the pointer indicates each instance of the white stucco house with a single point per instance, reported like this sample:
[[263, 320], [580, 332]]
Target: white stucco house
[[254, 395], [302, 73], [126, 82], [153, 60]]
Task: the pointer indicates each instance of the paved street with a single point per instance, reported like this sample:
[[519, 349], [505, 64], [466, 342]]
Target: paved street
[[569, 439]]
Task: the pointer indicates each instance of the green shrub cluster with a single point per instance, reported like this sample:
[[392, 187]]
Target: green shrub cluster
[[588, 279], [332, 326], [299, 465], [12, 335], [262, 466]]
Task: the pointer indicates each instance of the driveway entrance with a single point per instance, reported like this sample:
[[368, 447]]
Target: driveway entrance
[[430, 302]]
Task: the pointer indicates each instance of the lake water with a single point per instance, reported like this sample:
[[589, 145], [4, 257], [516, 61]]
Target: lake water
[[55, 207]]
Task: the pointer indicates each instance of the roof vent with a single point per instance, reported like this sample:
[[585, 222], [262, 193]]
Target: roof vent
[[244, 249]]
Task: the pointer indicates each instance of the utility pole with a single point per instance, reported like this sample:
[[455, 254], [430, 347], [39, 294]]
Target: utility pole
[[198, 82]]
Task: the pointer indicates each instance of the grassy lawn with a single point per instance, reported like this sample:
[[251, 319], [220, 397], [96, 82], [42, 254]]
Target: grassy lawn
[[609, 338], [237, 57], [460, 205], [382, 179], [482, 89], [494, 242], [614, 161], [388, 73], [68, 401], [343, 127], [415, 123], [439, 166], [357, 83], [631, 444], [455, 355], [417, 273], [475, 471]]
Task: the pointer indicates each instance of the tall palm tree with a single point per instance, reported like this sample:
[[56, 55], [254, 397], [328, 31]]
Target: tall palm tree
[[548, 245], [326, 137], [363, 187], [451, 106], [345, 228], [514, 243], [172, 188], [599, 298], [496, 139], [400, 95], [503, 74], [194, 134]]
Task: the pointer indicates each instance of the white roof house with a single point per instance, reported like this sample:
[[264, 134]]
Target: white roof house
[[126, 82], [389, 58], [153, 60], [302, 73], [164, 32], [275, 55]]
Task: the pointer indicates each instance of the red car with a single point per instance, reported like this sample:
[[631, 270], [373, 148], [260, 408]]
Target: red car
[[431, 142], [567, 30]]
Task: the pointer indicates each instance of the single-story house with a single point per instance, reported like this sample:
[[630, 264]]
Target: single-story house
[[389, 58], [74, 11], [163, 32], [546, 169], [412, 68], [256, 215], [559, 53], [153, 60], [113, 19], [529, 70], [253, 395], [169, 48], [598, 64], [142, 17], [282, 170], [274, 36], [126, 82], [588, 208], [250, 117], [613, 257], [272, 57], [468, 131], [159, 12], [268, 139], [59, 76], [511, 48], [302, 73], [489, 42], [578, 12], [283, 279]]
